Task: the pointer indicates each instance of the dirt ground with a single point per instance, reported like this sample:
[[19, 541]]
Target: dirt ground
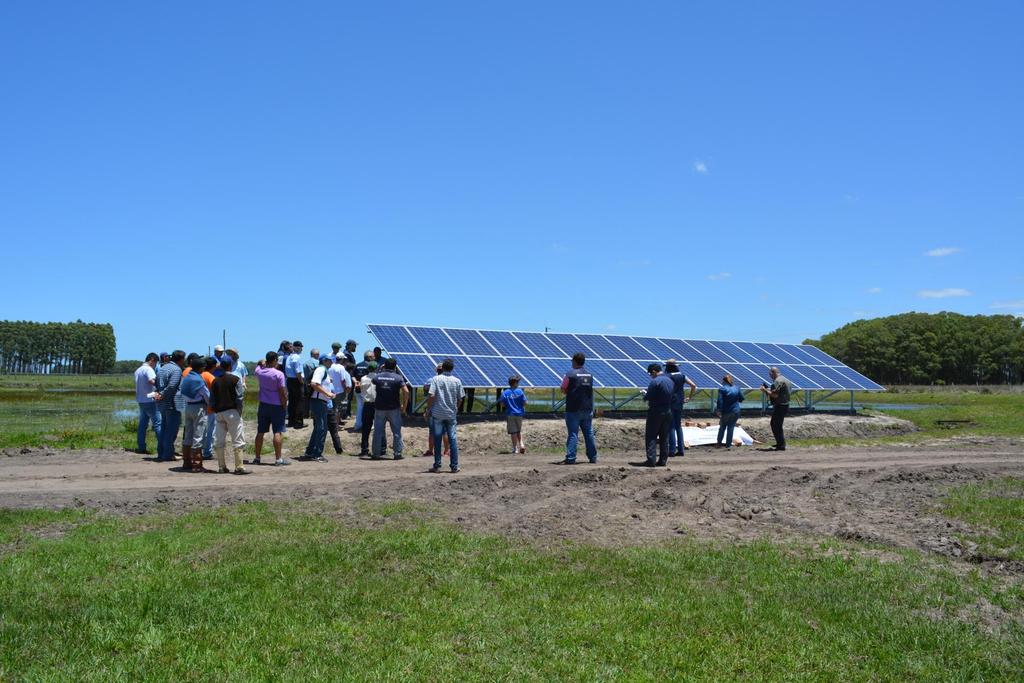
[[885, 495]]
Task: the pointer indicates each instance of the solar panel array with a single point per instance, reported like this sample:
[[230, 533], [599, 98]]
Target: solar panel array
[[487, 358]]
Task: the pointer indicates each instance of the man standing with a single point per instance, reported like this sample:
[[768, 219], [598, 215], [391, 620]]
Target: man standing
[[676, 446], [322, 393], [296, 387], [309, 366], [226, 396], [145, 389], [659, 416], [335, 353], [167, 382], [270, 415], [362, 370], [392, 397], [368, 394], [445, 393], [514, 400], [778, 394], [218, 354], [341, 385], [350, 363], [578, 387], [197, 400], [210, 374]]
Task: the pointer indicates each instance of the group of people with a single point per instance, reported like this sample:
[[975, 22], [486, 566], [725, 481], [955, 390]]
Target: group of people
[[204, 397]]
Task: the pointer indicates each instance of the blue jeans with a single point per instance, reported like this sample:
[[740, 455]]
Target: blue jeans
[[147, 414], [573, 422], [439, 428], [726, 425], [393, 418], [170, 423], [211, 427], [675, 436], [318, 410]]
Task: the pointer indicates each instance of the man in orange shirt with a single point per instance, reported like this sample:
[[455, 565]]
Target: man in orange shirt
[[211, 424]]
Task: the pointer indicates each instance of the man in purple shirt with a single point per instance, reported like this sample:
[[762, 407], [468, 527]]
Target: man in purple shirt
[[273, 401]]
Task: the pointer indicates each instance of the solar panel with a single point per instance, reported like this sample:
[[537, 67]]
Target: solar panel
[[540, 346], [486, 358]]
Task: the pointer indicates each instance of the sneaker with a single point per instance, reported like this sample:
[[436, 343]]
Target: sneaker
[[255, 461], [399, 457], [282, 461], [319, 459], [306, 457], [223, 470], [241, 470], [427, 454], [434, 469], [566, 462], [456, 470], [593, 462]]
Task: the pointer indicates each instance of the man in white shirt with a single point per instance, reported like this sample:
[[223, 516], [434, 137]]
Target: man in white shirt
[[145, 387], [319, 399], [341, 382]]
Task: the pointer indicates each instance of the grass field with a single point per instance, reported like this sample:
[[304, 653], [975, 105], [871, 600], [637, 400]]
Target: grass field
[[277, 593], [93, 411]]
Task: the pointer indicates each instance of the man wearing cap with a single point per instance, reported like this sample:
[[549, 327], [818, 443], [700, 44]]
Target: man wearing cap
[[392, 397], [578, 387], [319, 399], [218, 353], [659, 416], [296, 389], [778, 394], [676, 446]]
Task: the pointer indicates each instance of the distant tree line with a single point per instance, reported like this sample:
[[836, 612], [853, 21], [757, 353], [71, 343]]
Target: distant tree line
[[926, 348], [48, 348]]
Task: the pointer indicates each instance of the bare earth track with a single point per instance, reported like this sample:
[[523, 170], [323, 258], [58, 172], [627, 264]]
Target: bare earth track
[[883, 495]]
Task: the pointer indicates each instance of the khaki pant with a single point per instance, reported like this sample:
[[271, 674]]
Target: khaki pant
[[229, 424]]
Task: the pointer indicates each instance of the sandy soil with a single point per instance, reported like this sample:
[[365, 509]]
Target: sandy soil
[[883, 495]]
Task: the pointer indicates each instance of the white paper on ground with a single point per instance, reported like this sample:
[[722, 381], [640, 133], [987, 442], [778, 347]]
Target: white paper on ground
[[704, 436]]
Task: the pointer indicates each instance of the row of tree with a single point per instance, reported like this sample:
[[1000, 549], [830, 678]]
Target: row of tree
[[46, 348], [926, 348]]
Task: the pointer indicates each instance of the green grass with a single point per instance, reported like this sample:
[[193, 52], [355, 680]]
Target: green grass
[[260, 592], [996, 508]]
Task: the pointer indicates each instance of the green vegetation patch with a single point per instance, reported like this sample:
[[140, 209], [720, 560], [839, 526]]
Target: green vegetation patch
[[277, 593], [996, 508]]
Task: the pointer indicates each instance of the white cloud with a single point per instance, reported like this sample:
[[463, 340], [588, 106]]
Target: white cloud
[[874, 290], [719, 276], [942, 293], [1019, 303], [611, 327], [700, 167], [943, 251]]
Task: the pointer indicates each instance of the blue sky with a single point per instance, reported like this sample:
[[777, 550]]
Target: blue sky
[[764, 171]]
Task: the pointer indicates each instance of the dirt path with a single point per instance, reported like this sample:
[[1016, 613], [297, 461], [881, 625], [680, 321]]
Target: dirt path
[[887, 496]]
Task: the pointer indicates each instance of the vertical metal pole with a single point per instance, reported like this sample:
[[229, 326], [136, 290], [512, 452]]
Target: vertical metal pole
[[552, 400], [807, 399], [615, 406], [764, 403], [852, 411]]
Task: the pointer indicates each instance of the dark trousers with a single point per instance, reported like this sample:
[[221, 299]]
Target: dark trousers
[[778, 415], [348, 405], [332, 427], [315, 447], [657, 434], [307, 397], [296, 399], [368, 413]]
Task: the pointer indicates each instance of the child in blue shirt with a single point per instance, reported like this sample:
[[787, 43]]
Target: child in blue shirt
[[514, 400]]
